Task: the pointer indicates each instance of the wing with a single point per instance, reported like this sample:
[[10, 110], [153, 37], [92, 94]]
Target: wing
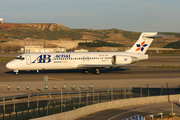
[[85, 66]]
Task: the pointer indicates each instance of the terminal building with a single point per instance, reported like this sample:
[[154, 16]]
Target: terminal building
[[40, 49]]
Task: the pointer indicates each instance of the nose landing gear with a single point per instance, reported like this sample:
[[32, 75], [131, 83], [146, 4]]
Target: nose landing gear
[[16, 72]]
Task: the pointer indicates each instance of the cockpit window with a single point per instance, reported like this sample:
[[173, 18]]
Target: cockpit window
[[20, 58]]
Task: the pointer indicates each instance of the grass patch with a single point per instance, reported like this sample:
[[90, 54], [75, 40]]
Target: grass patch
[[98, 43], [6, 59], [164, 54], [3, 41], [157, 66]]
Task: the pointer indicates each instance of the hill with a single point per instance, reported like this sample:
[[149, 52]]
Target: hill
[[56, 31], [174, 45], [38, 31], [58, 35]]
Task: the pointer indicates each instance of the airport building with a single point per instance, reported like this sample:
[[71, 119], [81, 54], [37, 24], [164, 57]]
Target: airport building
[[40, 49], [81, 50]]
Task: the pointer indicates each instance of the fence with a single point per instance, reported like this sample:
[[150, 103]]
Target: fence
[[47, 103]]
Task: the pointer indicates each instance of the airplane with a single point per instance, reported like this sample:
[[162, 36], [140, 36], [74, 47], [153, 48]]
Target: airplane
[[85, 60]]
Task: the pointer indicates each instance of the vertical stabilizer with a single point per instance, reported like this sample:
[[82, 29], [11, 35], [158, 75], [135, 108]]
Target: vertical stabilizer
[[143, 43]]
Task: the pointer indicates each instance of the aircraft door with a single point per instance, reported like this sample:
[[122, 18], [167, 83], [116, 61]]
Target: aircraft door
[[28, 59]]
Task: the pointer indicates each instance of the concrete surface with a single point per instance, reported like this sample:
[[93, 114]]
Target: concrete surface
[[127, 111], [109, 105]]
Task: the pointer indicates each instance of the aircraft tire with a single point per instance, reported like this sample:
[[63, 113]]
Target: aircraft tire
[[96, 71], [85, 71], [16, 73]]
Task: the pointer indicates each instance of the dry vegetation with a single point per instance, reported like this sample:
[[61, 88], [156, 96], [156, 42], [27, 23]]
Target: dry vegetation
[[60, 36]]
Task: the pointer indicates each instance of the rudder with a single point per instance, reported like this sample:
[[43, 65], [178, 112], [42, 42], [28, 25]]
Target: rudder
[[143, 43]]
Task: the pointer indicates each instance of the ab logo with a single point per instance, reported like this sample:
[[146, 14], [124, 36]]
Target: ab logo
[[43, 59]]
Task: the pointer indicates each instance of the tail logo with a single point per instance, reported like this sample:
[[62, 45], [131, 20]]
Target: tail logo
[[141, 46]]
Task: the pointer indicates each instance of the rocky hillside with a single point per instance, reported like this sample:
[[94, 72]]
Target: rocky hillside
[[38, 31], [54, 31], [57, 31]]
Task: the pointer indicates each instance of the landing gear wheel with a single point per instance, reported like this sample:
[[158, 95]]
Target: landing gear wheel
[[16, 73], [96, 71], [85, 71]]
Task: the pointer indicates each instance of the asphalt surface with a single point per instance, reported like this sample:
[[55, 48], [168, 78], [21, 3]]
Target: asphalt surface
[[116, 73], [125, 112]]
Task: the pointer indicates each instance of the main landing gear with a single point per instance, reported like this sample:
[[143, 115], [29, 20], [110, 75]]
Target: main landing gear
[[86, 71], [16, 72], [96, 71]]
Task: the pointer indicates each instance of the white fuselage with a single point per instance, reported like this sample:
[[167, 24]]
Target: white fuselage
[[53, 61]]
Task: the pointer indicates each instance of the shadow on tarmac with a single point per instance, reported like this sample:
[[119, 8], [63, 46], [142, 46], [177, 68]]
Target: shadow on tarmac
[[68, 71]]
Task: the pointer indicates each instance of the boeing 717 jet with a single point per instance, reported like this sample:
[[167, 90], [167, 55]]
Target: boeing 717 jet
[[85, 60]]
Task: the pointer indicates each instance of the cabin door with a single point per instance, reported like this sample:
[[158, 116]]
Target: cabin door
[[28, 59]]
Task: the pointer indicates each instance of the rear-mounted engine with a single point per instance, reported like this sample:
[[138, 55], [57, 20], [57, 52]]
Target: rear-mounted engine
[[123, 60]]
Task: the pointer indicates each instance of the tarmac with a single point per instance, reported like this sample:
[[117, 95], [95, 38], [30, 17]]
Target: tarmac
[[135, 76]]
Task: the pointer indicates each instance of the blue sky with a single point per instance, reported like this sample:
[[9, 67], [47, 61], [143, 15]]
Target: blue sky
[[129, 15]]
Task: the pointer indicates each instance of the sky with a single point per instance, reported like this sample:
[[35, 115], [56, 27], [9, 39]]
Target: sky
[[129, 15]]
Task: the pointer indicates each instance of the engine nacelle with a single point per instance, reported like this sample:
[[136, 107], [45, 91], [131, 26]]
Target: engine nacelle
[[123, 60]]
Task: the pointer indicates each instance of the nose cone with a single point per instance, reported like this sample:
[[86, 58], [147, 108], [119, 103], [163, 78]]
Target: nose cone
[[10, 65]]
